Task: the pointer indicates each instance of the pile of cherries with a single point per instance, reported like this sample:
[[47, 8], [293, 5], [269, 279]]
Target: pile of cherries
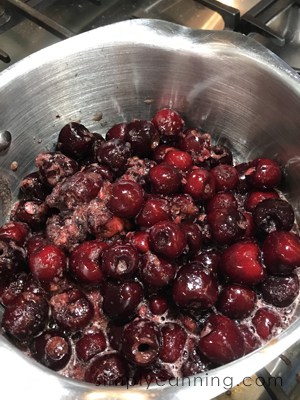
[[146, 254]]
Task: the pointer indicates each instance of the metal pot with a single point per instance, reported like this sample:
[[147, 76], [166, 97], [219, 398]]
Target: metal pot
[[221, 81]]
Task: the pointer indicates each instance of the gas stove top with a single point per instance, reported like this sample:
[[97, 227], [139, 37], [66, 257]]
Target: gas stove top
[[28, 26]]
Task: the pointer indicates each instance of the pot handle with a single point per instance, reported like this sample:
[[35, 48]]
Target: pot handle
[[230, 15]]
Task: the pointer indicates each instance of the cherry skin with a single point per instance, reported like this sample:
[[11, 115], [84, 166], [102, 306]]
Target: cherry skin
[[119, 261], [168, 122], [173, 338], [165, 179], [236, 301], [117, 131], [226, 177], [221, 200], [156, 272], [126, 199], [254, 198], [158, 304], [240, 263], [47, 262], [200, 184], [195, 288], [281, 252], [280, 291], [167, 239], [75, 140], [220, 340], [89, 345], [142, 137], [154, 210], [179, 159], [84, 262], [15, 231], [266, 174], [107, 369], [265, 321]]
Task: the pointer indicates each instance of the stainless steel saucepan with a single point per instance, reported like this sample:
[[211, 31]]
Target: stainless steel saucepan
[[221, 81]]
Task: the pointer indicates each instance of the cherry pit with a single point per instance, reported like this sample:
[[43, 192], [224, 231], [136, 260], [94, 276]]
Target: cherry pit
[[147, 252]]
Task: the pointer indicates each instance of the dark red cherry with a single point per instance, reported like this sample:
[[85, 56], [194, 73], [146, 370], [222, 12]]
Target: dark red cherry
[[226, 225], [200, 184], [165, 179], [33, 187], [107, 369], [221, 200], [158, 304], [220, 340], [119, 261], [266, 174], [226, 177], [179, 159], [121, 300], [193, 236], [139, 240], [85, 263], [26, 316], [142, 137], [16, 231], [126, 199], [52, 349], [236, 301], [33, 212], [141, 342], [71, 310], [54, 167], [167, 239], [75, 140], [281, 252], [156, 272], [117, 131], [89, 345], [251, 341], [168, 122], [173, 339], [280, 291], [114, 153], [12, 259], [209, 259], [254, 198], [241, 263], [154, 210], [160, 152], [47, 262], [265, 322], [195, 288], [183, 208], [197, 144]]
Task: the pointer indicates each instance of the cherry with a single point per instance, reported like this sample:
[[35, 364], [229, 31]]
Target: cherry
[[126, 198], [33, 187], [11, 288], [273, 215], [195, 288], [165, 179], [226, 177], [179, 159], [193, 236], [158, 304], [113, 153], [90, 345], [236, 301], [71, 310], [160, 152], [139, 240], [12, 259], [26, 316], [33, 212], [167, 239], [266, 174], [142, 137], [220, 340], [168, 122], [119, 261], [16, 231], [154, 210], [241, 263], [221, 200], [173, 339], [120, 300], [100, 169], [197, 144], [281, 252], [54, 167], [265, 321], [183, 208], [220, 155], [209, 259], [47, 262], [75, 140], [107, 369], [251, 342], [117, 131], [141, 342], [200, 184], [156, 272], [254, 198], [226, 225], [52, 349], [84, 263], [280, 291], [77, 189]]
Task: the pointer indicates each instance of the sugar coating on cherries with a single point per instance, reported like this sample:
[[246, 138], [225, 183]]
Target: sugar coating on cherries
[[147, 253]]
